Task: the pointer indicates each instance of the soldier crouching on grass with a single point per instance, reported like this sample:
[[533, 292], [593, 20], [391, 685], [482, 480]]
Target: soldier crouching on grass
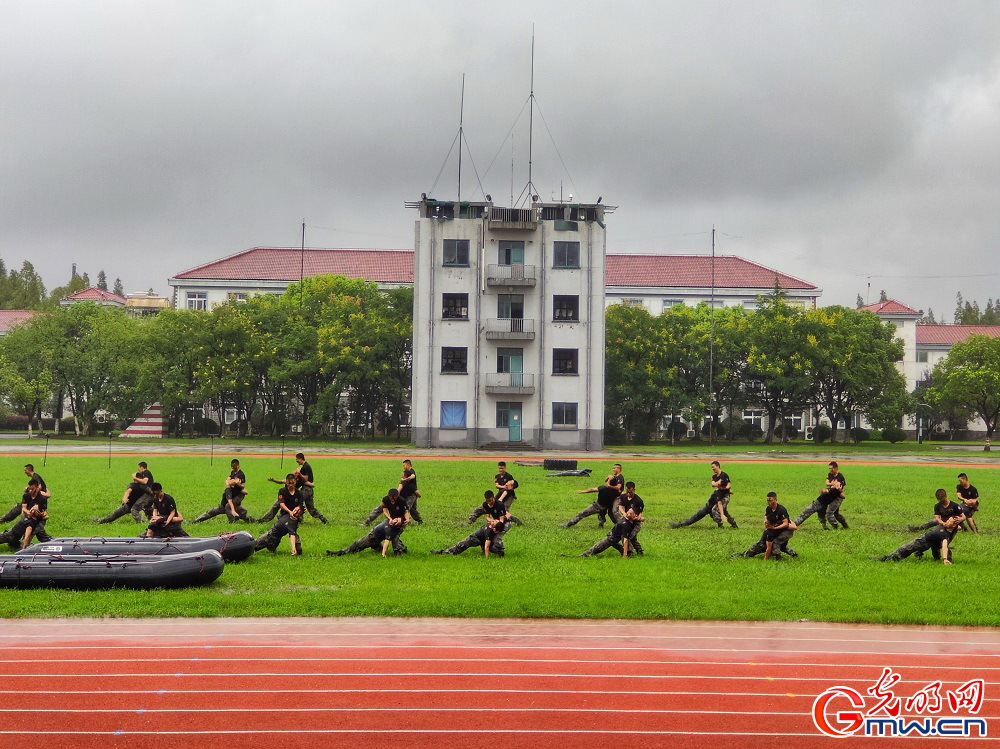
[[490, 536], [607, 499], [34, 512], [967, 496], [232, 498], [937, 540], [386, 533], [718, 503], [136, 498], [778, 530], [167, 519], [624, 534], [290, 506]]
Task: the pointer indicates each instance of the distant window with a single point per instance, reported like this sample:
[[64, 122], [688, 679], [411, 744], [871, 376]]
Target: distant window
[[454, 359], [754, 418], [564, 361], [510, 360], [237, 296], [632, 302], [456, 252], [750, 304], [453, 414], [197, 300], [922, 356], [455, 306], [564, 415], [668, 303], [511, 252], [566, 308], [566, 255], [510, 306]]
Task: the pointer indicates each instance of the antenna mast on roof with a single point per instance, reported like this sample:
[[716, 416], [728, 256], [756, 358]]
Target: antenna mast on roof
[[461, 138], [531, 115]]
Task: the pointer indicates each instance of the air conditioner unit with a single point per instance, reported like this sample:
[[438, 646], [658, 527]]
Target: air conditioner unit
[[809, 433], [692, 433], [296, 428]]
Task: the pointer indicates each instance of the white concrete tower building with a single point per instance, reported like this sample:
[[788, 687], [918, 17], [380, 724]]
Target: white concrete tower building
[[508, 325]]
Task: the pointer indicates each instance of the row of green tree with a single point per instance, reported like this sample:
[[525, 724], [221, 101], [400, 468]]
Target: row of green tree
[[693, 364], [330, 350], [23, 288]]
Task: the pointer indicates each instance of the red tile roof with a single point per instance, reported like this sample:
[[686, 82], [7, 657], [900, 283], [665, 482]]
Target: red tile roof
[[286, 264], [949, 335], [695, 271], [94, 294], [890, 307], [11, 317]]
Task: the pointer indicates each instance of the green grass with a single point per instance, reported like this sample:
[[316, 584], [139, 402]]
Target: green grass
[[686, 574]]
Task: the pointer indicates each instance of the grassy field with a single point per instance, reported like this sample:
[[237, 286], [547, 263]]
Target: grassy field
[[686, 574]]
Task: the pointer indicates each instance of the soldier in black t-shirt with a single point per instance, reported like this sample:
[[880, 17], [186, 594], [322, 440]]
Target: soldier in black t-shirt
[[167, 519], [407, 490], [607, 499], [626, 530], [506, 486], [490, 536], [966, 495], [15, 511], [34, 513], [136, 498], [822, 504], [718, 503], [305, 485], [937, 540], [386, 533], [778, 530], [835, 483], [231, 503], [290, 506]]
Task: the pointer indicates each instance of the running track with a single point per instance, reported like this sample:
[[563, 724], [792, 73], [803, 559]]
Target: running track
[[297, 683]]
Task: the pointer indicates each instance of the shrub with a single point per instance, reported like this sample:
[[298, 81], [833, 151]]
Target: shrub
[[754, 432], [733, 429], [875, 434], [790, 431], [206, 427], [709, 427], [859, 434], [821, 433], [677, 430], [893, 434]]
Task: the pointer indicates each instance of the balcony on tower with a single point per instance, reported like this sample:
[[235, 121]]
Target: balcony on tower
[[510, 328], [511, 275], [510, 383]]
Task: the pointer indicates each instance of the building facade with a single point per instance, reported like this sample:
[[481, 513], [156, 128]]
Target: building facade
[[658, 282], [508, 325]]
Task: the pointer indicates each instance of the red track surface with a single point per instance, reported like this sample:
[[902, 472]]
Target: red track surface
[[297, 683]]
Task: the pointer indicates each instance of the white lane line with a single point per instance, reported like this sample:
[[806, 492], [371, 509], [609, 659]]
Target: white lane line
[[459, 674], [366, 636], [477, 709], [952, 654], [436, 731], [918, 630], [381, 661], [410, 691]]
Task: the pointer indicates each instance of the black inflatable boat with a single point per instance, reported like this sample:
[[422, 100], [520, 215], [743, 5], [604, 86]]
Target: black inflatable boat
[[234, 547], [91, 572]]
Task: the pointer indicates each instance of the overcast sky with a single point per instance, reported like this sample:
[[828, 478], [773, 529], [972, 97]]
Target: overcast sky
[[834, 141]]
